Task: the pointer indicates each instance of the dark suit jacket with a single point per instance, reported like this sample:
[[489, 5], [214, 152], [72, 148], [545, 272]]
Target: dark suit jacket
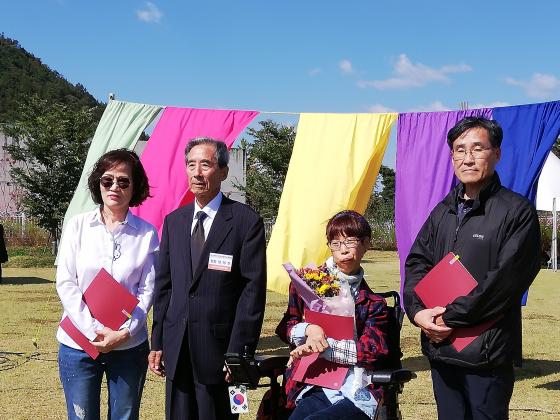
[[220, 311]]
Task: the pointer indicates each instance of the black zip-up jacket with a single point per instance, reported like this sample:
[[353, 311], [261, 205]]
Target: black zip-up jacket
[[498, 241]]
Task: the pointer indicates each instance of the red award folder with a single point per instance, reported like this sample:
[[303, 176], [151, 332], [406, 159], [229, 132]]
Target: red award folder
[[315, 370], [81, 340], [445, 282], [109, 302]]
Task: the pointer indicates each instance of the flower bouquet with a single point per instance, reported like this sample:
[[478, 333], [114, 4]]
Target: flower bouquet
[[322, 290], [330, 305]]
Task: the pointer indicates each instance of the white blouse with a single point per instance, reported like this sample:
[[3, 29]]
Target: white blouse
[[128, 253]]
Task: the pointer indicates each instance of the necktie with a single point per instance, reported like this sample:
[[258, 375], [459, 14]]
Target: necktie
[[197, 240]]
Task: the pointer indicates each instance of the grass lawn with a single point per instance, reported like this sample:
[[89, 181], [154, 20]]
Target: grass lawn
[[30, 388]]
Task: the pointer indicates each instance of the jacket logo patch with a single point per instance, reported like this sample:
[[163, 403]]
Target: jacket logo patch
[[478, 236]]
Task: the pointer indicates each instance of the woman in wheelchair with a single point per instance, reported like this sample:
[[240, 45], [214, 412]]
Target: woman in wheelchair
[[348, 236]]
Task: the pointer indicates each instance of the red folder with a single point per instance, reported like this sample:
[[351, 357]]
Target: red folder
[[444, 283], [315, 370], [109, 302], [81, 340]]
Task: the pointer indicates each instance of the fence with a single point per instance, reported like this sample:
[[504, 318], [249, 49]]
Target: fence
[[547, 235], [382, 234], [22, 230]]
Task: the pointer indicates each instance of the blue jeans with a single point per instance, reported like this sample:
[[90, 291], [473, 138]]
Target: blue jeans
[[315, 405], [81, 378]]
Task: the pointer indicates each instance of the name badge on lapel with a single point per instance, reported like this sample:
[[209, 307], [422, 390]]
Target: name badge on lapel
[[220, 262]]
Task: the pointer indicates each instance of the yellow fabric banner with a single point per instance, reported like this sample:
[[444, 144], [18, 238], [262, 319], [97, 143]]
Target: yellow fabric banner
[[334, 165]]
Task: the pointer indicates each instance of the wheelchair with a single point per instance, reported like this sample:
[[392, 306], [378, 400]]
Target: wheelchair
[[248, 371]]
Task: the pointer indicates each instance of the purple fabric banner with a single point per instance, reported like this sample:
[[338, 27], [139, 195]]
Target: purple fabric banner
[[164, 156], [424, 172]]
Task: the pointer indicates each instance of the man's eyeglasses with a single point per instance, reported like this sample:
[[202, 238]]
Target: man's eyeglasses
[[348, 243], [476, 153], [107, 182]]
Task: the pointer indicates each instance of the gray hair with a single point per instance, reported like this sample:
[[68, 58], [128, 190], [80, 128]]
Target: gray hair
[[221, 155]]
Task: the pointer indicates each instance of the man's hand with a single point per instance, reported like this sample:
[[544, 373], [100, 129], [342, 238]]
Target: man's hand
[[228, 377], [316, 339], [155, 363], [431, 323], [107, 339]]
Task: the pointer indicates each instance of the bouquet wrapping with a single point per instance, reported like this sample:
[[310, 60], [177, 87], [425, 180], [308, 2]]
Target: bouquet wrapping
[[321, 290]]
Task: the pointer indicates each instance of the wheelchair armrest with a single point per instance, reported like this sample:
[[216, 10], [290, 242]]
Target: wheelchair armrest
[[396, 376], [268, 364]]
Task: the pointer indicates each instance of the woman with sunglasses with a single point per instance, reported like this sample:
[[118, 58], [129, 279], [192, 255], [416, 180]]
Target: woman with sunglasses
[[348, 235], [112, 238]]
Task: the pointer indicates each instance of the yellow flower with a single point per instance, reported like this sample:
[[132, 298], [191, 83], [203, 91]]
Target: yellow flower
[[323, 289], [315, 276]]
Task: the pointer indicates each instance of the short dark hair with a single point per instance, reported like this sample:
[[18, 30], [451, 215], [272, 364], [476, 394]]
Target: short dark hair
[[221, 155], [348, 223], [495, 132], [140, 186]]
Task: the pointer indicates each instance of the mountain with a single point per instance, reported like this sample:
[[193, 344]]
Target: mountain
[[22, 75]]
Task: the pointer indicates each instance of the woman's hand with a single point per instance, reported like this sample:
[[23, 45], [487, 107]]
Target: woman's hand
[[301, 351], [107, 339], [316, 342], [316, 338]]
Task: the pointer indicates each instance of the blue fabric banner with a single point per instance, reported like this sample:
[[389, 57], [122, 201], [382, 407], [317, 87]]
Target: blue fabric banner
[[529, 133]]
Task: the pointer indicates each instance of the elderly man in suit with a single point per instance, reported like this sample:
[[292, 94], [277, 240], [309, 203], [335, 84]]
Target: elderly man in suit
[[210, 289]]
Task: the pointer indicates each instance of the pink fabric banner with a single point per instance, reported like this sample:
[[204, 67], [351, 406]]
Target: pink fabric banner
[[164, 156]]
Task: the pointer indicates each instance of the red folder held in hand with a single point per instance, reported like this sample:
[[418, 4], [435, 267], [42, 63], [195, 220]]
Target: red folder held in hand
[[445, 282], [81, 340], [109, 302], [315, 370]]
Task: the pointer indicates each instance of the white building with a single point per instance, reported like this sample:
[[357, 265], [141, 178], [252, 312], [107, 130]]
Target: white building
[[9, 201]]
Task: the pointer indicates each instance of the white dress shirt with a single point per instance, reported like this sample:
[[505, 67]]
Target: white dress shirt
[[128, 253], [210, 209]]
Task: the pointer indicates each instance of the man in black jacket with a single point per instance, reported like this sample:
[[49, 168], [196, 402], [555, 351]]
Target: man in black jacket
[[497, 236]]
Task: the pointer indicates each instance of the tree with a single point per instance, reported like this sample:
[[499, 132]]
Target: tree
[[380, 211], [556, 147], [48, 154], [268, 158], [381, 205], [22, 75]]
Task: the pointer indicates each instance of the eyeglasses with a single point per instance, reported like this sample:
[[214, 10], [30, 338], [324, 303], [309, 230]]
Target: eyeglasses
[[476, 153], [348, 243], [107, 182]]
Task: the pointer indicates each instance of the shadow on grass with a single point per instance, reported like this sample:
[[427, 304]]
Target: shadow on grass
[[271, 344], [416, 363], [533, 368], [552, 386], [24, 280]]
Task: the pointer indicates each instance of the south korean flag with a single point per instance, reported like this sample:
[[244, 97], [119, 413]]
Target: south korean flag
[[239, 402]]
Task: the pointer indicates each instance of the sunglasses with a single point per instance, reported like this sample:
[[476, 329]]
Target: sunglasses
[[107, 182]]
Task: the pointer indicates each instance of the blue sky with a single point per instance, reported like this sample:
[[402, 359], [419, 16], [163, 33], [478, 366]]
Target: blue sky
[[299, 56]]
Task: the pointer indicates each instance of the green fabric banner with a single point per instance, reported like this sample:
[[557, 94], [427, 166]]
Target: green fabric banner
[[119, 127]]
